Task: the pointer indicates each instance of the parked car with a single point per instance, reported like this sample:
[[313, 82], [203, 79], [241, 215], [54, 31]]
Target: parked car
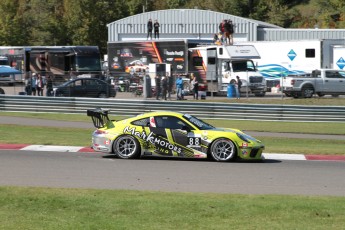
[[85, 87]]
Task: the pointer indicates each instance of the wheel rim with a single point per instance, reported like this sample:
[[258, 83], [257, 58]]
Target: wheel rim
[[308, 92], [126, 146], [102, 95], [223, 150]]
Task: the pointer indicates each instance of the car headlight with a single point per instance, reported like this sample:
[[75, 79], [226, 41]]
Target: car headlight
[[243, 137]]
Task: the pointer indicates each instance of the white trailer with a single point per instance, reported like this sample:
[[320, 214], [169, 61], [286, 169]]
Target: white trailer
[[223, 64], [297, 57]]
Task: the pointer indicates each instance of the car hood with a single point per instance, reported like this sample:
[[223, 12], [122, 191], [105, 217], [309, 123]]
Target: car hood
[[225, 130]]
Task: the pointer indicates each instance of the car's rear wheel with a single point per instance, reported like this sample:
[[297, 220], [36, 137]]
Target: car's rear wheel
[[126, 147], [102, 95], [307, 91], [223, 150]]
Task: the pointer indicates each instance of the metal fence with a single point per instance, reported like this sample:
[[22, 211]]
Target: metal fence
[[206, 110]]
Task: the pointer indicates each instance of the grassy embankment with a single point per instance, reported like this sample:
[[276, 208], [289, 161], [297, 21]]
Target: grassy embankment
[[47, 208]]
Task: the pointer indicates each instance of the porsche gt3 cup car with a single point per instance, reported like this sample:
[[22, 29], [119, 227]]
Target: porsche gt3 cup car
[[170, 134]]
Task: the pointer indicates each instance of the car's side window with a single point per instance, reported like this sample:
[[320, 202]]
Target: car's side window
[[89, 82], [142, 122], [169, 122], [333, 74], [77, 83]]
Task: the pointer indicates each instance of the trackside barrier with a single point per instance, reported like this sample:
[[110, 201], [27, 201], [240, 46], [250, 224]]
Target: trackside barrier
[[206, 110]]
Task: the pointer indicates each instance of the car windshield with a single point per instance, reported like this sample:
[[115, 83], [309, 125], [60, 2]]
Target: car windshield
[[197, 122]]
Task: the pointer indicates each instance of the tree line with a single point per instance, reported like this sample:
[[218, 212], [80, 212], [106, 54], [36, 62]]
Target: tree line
[[83, 22]]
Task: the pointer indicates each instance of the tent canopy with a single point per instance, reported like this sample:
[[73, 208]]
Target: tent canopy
[[6, 70]]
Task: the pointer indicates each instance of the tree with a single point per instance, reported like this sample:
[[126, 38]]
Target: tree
[[12, 25]]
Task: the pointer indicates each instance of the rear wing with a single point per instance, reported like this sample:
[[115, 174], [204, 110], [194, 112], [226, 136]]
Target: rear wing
[[99, 117]]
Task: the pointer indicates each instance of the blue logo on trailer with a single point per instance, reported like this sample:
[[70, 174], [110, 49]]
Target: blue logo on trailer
[[341, 63], [292, 55]]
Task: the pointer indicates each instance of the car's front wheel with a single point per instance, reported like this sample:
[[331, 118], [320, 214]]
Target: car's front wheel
[[126, 147], [223, 150]]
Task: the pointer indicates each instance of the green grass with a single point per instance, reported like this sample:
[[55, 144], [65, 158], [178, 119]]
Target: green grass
[[263, 126], [18, 134], [283, 127], [303, 146], [279, 101], [42, 208]]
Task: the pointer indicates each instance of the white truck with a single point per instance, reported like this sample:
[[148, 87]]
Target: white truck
[[320, 82], [223, 63]]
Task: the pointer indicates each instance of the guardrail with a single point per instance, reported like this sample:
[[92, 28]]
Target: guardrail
[[206, 110]]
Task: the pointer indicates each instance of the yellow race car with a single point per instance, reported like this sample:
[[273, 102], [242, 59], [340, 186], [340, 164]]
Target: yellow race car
[[170, 134]]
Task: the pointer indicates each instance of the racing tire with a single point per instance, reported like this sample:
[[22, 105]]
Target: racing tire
[[126, 147], [307, 91], [320, 94], [223, 150], [2, 91], [60, 94]]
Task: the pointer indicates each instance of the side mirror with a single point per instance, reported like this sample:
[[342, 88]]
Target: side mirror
[[185, 128]]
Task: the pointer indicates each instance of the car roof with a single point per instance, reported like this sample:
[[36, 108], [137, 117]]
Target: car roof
[[159, 113]]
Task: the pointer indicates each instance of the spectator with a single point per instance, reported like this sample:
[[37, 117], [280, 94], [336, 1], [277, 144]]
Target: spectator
[[238, 87], [33, 84], [195, 87], [170, 85], [164, 87], [49, 86], [28, 86], [158, 86], [39, 85], [222, 30], [149, 29], [179, 88], [156, 29], [228, 31]]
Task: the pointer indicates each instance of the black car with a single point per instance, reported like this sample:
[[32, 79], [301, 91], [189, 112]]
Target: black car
[[85, 87]]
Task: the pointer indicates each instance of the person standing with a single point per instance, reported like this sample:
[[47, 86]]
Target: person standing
[[179, 88], [39, 85], [149, 29], [156, 29], [195, 87], [33, 84], [238, 87], [49, 86], [28, 87], [158, 86], [164, 87], [170, 85], [222, 30], [229, 31]]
